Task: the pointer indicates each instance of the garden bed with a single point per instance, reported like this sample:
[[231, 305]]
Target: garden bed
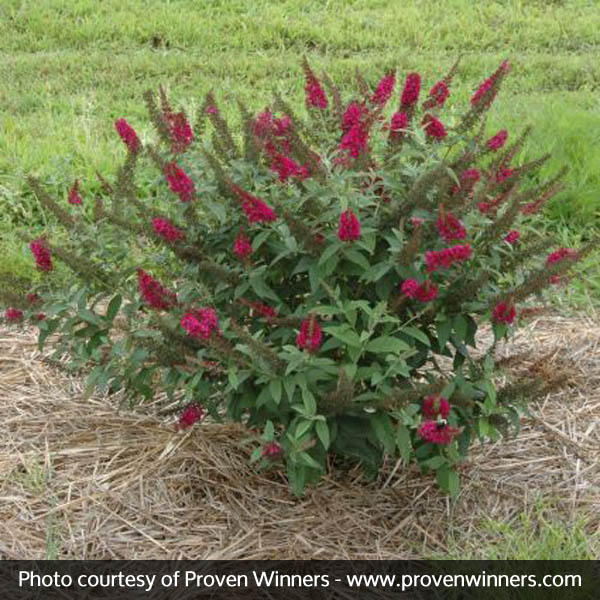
[[79, 479]]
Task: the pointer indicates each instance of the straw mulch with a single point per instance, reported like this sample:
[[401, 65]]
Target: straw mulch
[[79, 479]]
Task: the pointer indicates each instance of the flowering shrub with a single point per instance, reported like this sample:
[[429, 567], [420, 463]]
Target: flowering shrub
[[322, 280]]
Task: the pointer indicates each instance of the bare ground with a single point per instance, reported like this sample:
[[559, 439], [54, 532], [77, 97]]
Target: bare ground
[[79, 479]]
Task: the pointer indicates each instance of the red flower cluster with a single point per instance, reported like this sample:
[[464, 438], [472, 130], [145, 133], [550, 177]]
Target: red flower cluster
[[266, 125], [180, 131], [560, 254], [497, 141], [355, 141], [437, 433], [442, 259], [532, 208], [153, 293], [166, 230], [255, 209], [434, 406], [315, 94], [355, 138], [468, 179], [556, 257], [512, 237], [398, 124], [201, 322], [179, 182], [33, 298], [504, 312], [310, 335], [190, 415], [272, 451], [287, 167], [503, 174], [449, 227], [434, 128], [263, 310], [349, 227], [438, 95], [354, 114], [384, 89], [487, 85], [274, 133], [128, 135], [424, 292], [42, 255], [13, 315], [412, 88], [492, 205], [242, 246], [74, 197]]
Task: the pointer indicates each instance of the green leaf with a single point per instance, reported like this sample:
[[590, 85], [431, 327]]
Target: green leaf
[[403, 442], [269, 431], [344, 334], [262, 289], [47, 328], [263, 397], [382, 427], [90, 317], [435, 462], [368, 241], [328, 253], [357, 258], [259, 239], [241, 289], [386, 343], [302, 428], [490, 398], [310, 404], [314, 277], [297, 478], [376, 272], [113, 308], [217, 208], [417, 334], [275, 389], [471, 331], [322, 430], [290, 242], [448, 480], [256, 455], [499, 330], [234, 381], [289, 383], [443, 329], [309, 461], [460, 327], [483, 427], [448, 389]]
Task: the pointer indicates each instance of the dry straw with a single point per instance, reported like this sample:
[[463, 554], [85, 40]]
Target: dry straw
[[79, 479]]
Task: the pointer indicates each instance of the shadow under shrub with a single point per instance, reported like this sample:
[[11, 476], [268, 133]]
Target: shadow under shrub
[[322, 279]]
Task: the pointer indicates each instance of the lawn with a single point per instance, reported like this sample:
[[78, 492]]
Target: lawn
[[69, 68]]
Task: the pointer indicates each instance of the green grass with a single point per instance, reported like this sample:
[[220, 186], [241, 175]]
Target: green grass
[[69, 68], [541, 532]]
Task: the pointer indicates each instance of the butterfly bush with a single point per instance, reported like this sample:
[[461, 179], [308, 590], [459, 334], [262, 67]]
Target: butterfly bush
[[337, 277]]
